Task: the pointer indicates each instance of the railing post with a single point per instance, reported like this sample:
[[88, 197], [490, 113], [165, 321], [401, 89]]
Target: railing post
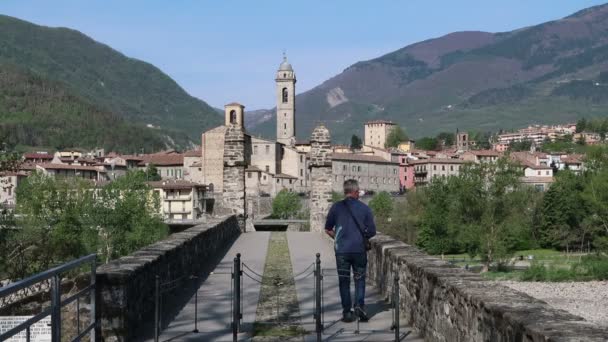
[[396, 306], [156, 308], [318, 325], [357, 307], [236, 288], [195, 305], [56, 308], [93, 297]]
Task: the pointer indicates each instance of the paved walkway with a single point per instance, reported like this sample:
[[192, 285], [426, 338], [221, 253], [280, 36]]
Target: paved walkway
[[214, 298], [303, 247]]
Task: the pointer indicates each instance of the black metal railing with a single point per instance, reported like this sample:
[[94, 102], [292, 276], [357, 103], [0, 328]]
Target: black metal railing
[[54, 275]]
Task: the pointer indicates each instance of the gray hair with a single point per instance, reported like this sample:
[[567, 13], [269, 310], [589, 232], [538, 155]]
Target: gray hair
[[350, 186]]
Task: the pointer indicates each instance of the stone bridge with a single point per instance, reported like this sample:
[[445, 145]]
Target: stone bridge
[[438, 301]]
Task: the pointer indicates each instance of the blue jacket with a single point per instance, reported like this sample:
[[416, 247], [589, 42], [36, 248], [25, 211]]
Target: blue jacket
[[348, 239]]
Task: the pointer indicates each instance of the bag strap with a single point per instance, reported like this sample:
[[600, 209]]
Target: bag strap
[[355, 219]]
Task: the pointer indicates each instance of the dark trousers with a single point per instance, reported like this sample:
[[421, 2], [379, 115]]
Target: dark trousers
[[358, 263]]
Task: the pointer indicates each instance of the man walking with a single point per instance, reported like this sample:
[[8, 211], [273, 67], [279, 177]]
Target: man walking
[[350, 223]]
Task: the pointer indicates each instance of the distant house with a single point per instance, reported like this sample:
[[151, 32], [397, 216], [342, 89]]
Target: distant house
[[170, 164], [181, 200], [38, 157], [481, 156], [77, 171], [425, 170], [374, 173], [8, 186]]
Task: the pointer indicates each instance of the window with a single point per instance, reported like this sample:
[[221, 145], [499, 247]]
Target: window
[[284, 126], [291, 180], [285, 95], [358, 168], [434, 167], [284, 75], [233, 116], [267, 169], [255, 150], [267, 149], [442, 167], [301, 172], [264, 177], [301, 158], [451, 167], [547, 173], [394, 171], [278, 181], [343, 167], [301, 183], [354, 168], [248, 174], [538, 173]]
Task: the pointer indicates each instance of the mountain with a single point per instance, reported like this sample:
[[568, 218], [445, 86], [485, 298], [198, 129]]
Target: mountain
[[95, 74], [37, 112], [480, 81]]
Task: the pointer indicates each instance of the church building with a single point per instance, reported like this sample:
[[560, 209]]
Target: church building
[[273, 165]]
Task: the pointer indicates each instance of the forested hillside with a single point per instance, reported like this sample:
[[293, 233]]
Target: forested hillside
[[113, 83], [37, 112]]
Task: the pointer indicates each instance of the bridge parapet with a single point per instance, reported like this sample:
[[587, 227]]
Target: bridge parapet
[[446, 303], [126, 285]]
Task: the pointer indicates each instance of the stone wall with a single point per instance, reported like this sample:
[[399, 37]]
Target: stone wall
[[236, 159], [126, 286], [320, 177], [446, 303]]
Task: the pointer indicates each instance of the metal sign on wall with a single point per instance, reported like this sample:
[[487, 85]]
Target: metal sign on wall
[[39, 332]]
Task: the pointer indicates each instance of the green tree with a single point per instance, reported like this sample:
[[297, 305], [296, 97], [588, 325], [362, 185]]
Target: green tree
[[448, 138], [518, 146], [395, 137], [124, 217], [382, 207], [355, 142], [562, 212], [285, 205], [581, 125], [427, 143], [152, 174]]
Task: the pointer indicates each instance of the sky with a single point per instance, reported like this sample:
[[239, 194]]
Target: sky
[[227, 50]]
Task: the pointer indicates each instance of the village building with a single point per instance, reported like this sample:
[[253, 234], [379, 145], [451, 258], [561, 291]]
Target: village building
[[424, 171], [373, 173], [376, 132], [169, 164], [180, 200]]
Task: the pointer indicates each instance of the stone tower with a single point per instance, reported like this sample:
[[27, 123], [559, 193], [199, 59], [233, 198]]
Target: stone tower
[[286, 103], [462, 141], [235, 160], [321, 179]]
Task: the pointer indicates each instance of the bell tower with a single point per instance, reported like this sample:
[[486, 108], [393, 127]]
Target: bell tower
[[286, 103]]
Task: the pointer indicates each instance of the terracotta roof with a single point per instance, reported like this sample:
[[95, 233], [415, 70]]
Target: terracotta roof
[[252, 168], [131, 157], [38, 156], [282, 175], [50, 166], [537, 179], [380, 122], [361, 158], [162, 159], [438, 161], [175, 184], [234, 104], [193, 153], [573, 159], [484, 153]]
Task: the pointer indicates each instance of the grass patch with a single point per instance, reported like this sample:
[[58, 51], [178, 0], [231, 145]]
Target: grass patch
[[278, 286], [592, 267], [275, 330]]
